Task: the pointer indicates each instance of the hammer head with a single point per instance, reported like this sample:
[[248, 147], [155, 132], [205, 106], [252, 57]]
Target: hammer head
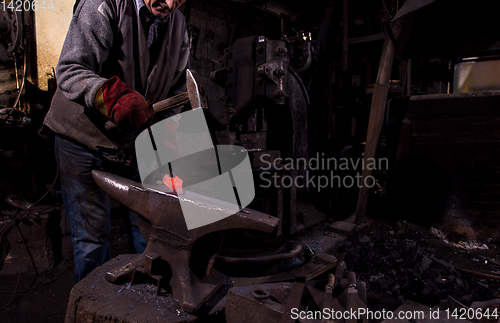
[[195, 90]]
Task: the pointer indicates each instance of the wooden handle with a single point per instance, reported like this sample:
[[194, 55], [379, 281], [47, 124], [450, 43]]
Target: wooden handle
[[171, 102], [330, 281], [351, 276]]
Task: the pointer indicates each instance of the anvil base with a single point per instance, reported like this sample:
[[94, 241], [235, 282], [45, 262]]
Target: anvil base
[[94, 299]]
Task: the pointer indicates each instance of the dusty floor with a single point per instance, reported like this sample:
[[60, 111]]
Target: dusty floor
[[40, 299], [43, 297]]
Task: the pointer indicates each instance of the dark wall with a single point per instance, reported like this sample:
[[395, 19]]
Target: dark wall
[[449, 156]]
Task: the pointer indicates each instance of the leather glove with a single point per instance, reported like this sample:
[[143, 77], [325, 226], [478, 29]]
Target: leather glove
[[127, 108]]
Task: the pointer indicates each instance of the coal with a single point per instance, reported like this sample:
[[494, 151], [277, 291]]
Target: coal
[[386, 282], [425, 264], [410, 263]]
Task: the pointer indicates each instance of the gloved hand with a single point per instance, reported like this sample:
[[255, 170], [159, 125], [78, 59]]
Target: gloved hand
[[127, 108]]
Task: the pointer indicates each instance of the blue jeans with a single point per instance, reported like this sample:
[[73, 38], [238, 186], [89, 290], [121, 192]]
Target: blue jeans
[[87, 205]]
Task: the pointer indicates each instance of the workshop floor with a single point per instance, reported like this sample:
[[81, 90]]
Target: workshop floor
[[398, 260], [37, 299], [26, 296]]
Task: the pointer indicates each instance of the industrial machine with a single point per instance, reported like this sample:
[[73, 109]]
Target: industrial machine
[[266, 105]]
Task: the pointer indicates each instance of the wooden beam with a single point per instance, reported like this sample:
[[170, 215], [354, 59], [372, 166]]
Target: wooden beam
[[377, 113]]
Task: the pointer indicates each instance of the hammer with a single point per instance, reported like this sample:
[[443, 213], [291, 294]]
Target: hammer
[[194, 94]]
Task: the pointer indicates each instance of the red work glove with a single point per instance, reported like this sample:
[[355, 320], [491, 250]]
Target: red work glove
[[127, 108]]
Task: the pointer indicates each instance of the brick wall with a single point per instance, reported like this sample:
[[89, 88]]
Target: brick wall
[[449, 146]]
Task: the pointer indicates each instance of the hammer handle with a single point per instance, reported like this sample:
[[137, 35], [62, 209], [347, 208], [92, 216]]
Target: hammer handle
[[330, 282], [171, 102]]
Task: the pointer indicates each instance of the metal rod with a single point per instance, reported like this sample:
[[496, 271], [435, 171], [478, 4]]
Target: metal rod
[[408, 80], [15, 70], [476, 273], [260, 259], [18, 97]]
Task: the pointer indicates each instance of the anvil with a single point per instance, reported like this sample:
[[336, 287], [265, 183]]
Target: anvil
[[170, 241]]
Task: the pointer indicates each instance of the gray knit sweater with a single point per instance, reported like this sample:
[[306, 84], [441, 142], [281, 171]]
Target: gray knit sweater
[[106, 38]]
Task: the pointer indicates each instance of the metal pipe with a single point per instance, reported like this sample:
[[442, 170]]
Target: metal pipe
[[22, 83], [260, 259], [301, 84], [15, 70]]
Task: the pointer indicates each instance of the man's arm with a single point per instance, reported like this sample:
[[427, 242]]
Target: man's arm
[[86, 47]]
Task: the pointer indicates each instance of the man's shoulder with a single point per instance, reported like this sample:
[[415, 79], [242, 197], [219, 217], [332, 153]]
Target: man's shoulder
[[106, 7], [84, 5]]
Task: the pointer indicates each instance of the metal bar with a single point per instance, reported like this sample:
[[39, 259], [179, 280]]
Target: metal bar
[[261, 259], [366, 38], [408, 80], [479, 274]]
